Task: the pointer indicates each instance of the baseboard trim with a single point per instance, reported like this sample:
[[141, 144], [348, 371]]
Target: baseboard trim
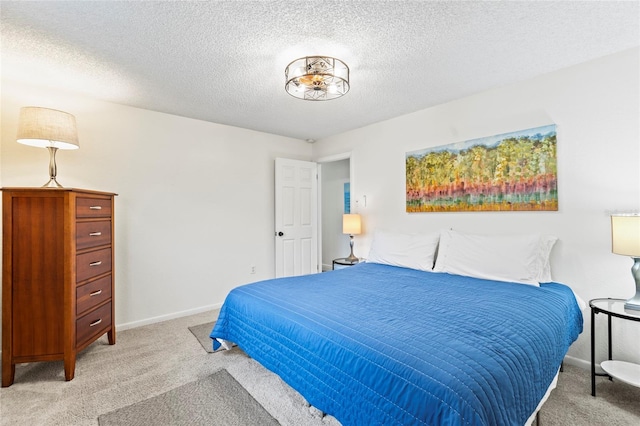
[[161, 318], [135, 324], [570, 360], [577, 362]]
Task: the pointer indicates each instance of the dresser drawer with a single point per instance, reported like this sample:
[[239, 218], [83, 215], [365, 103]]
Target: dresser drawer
[[92, 294], [93, 234], [93, 264], [92, 207], [94, 323]]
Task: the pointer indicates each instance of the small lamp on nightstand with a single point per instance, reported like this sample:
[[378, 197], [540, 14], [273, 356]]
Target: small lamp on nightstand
[[51, 129], [625, 240], [352, 225]]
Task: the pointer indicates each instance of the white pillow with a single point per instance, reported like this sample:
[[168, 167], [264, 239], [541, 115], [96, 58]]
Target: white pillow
[[406, 250], [514, 258], [547, 242]]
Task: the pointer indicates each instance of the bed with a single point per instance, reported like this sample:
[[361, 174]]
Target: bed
[[382, 344]]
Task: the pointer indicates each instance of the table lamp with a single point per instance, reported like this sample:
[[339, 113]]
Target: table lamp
[[625, 240], [352, 225], [51, 129]]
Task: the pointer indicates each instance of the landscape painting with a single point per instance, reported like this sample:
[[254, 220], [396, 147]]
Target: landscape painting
[[509, 172]]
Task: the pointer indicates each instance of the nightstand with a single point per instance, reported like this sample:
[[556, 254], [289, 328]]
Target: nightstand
[[624, 371], [342, 262]]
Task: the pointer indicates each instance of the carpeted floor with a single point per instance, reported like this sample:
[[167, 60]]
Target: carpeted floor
[[151, 360], [571, 403]]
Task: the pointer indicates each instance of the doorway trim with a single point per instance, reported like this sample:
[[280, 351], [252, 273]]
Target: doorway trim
[[329, 159]]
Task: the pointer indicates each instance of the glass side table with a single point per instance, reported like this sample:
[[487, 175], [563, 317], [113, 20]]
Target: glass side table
[[624, 371], [343, 262]]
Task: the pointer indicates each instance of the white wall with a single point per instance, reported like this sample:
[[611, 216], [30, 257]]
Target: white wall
[[195, 204], [334, 243], [190, 217], [596, 109]]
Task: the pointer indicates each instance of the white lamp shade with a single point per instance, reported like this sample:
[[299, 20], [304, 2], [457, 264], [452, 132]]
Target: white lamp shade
[[44, 127], [351, 224], [625, 235]]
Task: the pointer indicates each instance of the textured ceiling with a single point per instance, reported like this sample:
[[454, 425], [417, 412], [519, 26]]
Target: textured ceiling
[[223, 61]]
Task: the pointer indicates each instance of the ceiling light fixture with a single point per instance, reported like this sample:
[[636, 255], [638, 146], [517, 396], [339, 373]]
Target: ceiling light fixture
[[317, 78]]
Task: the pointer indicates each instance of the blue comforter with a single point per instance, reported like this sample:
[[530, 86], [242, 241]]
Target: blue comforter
[[377, 344]]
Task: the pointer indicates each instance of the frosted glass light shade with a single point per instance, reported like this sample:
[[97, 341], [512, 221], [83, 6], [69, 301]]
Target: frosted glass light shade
[[351, 224], [625, 235], [44, 127]]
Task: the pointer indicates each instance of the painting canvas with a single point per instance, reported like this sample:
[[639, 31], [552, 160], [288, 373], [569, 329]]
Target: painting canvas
[[509, 172], [347, 198]]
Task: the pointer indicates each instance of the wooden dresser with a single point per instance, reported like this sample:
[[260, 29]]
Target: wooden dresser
[[57, 275]]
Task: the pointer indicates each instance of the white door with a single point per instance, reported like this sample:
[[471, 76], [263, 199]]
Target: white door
[[296, 217]]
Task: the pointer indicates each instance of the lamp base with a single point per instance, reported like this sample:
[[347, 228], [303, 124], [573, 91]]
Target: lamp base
[[53, 169], [52, 183], [634, 302], [351, 258]]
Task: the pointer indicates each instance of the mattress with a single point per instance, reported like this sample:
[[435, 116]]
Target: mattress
[[378, 344]]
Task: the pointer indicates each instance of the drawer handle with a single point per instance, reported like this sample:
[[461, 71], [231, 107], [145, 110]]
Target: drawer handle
[[95, 234], [95, 293], [96, 322], [95, 207], [98, 263]]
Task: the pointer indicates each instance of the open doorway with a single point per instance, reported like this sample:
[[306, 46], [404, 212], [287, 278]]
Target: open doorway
[[335, 189]]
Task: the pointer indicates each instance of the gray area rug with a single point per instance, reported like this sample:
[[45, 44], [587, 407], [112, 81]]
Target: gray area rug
[[202, 333], [216, 399]]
